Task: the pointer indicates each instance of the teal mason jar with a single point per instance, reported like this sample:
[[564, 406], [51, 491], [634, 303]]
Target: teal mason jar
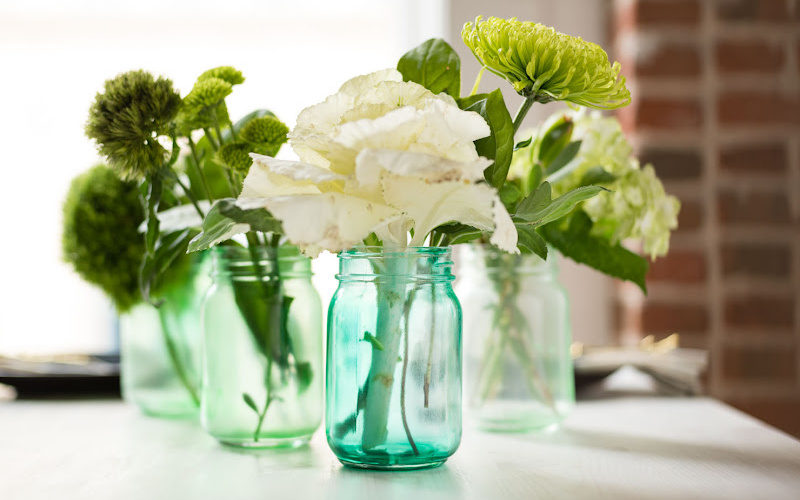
[[262, 350], [517, 362], [160, 347], [394, 359]]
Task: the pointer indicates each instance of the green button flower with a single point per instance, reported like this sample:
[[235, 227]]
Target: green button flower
[[545, 65]]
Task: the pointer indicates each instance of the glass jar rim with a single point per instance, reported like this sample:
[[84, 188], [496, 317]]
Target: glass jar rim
[[379, 251]]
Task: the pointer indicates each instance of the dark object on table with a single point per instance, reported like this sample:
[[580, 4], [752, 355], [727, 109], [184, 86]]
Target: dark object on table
[[61, 375]]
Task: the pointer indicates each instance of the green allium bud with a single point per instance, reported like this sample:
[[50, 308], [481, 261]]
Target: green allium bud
[[102, 214], [265, 130], [546, 65], [227, 73], [127, 118]]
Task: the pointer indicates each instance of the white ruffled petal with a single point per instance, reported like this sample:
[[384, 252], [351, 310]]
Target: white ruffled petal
[[360, 84], [272, 177], [371, 163], [331, 221], [505, 234]]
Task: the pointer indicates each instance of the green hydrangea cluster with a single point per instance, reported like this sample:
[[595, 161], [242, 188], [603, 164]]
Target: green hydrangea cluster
[[127, 119], [545, 65], [636, 207], [263, 135], [101, 240]]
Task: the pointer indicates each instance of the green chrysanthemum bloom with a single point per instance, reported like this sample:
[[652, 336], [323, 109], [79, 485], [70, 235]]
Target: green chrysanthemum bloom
[[265, 130], [236, 155], [227, 73], [545, 65], [102, 214], [204, 105], [127, 118]]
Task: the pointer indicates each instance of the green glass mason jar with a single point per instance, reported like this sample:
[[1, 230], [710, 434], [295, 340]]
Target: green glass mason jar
[[262, 350], [160, 347], [518, 367], [394, 359]]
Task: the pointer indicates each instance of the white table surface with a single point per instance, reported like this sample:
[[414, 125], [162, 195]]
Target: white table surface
[[625, 448]]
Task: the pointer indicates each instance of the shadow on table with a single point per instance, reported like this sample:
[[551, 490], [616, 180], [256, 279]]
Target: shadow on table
[[614, 441]]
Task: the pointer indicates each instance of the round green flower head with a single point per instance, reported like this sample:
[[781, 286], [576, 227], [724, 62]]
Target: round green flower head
[[127, 118], [101, 238], [205, 104], [236, 155], [265, 130], [227, 73], [545, 65]]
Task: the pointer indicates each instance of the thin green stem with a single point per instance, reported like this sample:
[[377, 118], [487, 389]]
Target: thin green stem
[[188, 193], [210, 138], [426, 385], [199, 169], [477, 81], [522, 111], [403, 376], [233, 132], [172, 351], [268, 387]]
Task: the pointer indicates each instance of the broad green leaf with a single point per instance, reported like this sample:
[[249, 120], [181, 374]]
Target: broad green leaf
[[499, 145], [537, 212], [459, 233], [555, 139], [226, 219], [534, 179], [597, 175], [168, 249], [248, 400], [529, 241], [434, 65], [576, 242], [564, 157], [510, 195]]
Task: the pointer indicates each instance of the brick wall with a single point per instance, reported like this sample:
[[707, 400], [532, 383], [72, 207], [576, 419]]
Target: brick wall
[[716, 109]]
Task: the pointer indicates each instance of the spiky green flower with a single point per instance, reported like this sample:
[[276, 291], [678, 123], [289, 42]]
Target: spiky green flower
[[545, 65], [204, 105], [227, 73], [265, 130], [102, 214], [127, 118]]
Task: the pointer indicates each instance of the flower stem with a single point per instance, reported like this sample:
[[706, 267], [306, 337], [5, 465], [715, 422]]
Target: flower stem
[[477, 81], [403, 415], [268, 387], [199, 168], [211, 141], [426, 385], [188, 194], [522, 111], [172, 351]]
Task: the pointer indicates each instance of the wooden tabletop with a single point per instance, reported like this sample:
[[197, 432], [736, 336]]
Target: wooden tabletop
[[638, 448]]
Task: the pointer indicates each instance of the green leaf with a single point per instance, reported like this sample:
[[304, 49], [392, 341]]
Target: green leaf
[[563, 158], [499, 144], [534, 179], [222, 219], [248, 400], [538, 211], [523, 144], [434, 65], [597, 175], [555, 139], [376, 344], [510, 195], [576, 242], [304, 375], [456, 233], [168, 249], [529, 241]]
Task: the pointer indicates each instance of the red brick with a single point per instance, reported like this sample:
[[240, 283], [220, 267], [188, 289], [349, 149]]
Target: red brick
[[768, 158], [758, 363], [669, 60], [754, 208], [750, 56], [754, 10], [659, 13], [759, 312], [759, 260], [665, 113], [661, 317], [691, 215], [673, 164], [680, 266], [751, 108], [783, 413]]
